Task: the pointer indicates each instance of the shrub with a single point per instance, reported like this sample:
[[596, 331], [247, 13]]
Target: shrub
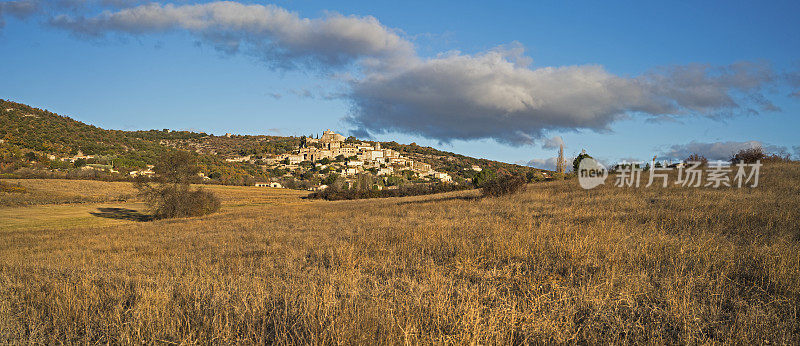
[[8, 188], [576, 163], [503, 185], [697, 158], [335, 193], [173, 196], [171, 201], [751, 155]]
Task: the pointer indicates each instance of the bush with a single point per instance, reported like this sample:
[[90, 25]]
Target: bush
[[697, 158], [754, 154], [8, 188], [750, 155], [170, 201], [173, 196], [503, 185], [333, 193], [577, 162]]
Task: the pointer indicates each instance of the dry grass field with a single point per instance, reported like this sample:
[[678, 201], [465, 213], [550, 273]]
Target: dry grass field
[[552, 264], [61, 204]]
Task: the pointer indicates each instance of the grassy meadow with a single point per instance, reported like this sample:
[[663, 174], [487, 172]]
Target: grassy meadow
[[554, 263]]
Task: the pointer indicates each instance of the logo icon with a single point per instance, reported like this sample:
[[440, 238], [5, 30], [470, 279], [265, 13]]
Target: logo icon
[[591, 173]]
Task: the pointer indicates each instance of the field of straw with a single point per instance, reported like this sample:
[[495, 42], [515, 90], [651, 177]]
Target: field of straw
[[552, 264]]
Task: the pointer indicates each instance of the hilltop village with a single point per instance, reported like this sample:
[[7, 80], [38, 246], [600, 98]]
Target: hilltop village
[[334, 153]]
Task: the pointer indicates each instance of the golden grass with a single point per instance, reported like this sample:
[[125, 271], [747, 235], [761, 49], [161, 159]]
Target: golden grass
[[61, 216], [553, 264], [57, 191], [53, 204]]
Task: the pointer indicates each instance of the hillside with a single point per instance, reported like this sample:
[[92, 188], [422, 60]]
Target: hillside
[[36, 142]]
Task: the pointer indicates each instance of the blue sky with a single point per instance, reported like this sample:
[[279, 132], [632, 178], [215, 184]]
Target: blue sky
[[122, 74]]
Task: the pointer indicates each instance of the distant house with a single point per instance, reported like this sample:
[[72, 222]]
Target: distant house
[[318, 188], [295, 159], [142, 173], [239, 159], [145, 172], [355, 163], [442, 176], [476, 168], [421, 166], [272, 184]]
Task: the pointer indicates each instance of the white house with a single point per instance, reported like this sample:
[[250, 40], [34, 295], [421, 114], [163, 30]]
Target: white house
[[355, 163], [442, 176]]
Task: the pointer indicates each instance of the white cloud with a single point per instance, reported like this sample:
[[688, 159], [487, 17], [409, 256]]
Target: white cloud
[[554, 142], [548, 163], [278, 36]]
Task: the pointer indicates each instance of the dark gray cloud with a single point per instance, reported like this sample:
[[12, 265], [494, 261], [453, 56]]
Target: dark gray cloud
[[716, 150], [497, 95], [278, 36], [20, 9]]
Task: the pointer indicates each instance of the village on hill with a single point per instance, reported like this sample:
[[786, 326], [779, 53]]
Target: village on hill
[[334, 153]]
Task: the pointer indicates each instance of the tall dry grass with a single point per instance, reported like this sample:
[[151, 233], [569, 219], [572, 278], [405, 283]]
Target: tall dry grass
[[553, 264], [55, 191]]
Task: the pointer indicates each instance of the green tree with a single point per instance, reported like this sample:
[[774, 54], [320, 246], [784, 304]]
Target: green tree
[[31, 156], [482, 177], [577, 161], [330, 179], [172, 196], [177, 167], [79, 163]]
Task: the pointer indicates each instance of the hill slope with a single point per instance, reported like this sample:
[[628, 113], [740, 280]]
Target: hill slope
[[40, 140]]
